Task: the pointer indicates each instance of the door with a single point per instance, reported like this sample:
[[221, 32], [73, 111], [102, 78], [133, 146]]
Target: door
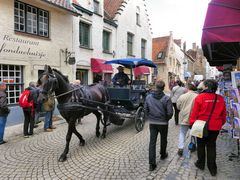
[[82, 75]]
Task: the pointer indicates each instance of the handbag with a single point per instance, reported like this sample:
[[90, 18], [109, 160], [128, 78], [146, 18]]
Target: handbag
[[200, 127], [192, 145]]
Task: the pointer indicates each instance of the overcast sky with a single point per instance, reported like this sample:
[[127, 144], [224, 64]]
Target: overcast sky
[[184, 17]]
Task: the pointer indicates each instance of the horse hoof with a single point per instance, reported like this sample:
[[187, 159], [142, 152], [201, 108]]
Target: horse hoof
[[62, 158], [98, 134], [103, 136], [82, 143]]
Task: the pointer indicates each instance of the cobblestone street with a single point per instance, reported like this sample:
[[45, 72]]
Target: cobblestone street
[[122, 155]]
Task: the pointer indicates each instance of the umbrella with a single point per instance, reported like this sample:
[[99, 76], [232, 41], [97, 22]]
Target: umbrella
[[221, 32], [132, 62]]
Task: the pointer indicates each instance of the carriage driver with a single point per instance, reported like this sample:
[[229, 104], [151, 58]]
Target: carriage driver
[[121, 79]]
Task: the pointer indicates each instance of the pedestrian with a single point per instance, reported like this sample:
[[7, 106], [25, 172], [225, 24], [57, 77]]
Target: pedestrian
[[48, 107], [26, 101], [176, 92], [97, 78], [201, 110], [158, 107], [184, 104], [4, 111], [76, 84]]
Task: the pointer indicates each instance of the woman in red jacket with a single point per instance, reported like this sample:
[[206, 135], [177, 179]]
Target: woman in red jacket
[[201, 109]]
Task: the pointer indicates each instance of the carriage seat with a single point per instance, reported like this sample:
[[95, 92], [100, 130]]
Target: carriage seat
[[123, 97], [138, 84]]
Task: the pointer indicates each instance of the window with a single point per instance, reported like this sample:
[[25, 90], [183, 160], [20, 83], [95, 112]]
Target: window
[[143, 48], [106, 41], [130, 44], [137, 19], [43, 22], [30, 19], [96, 6], [12, 75], [160, 55], [84, 34], [138, 16]]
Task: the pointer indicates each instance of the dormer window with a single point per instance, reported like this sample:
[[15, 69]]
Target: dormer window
[[160, 55]]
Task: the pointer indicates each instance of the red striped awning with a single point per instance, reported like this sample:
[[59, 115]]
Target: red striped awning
[[98, 66], [141, 70]]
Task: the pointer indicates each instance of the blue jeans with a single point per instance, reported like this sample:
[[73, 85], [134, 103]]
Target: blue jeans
[[48, 120], [3, 120], [182, 135]]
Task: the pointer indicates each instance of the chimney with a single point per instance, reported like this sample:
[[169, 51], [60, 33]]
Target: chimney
[[194, 46], [184, 46]]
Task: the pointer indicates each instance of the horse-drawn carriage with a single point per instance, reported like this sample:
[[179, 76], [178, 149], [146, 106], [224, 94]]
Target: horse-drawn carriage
[[113, 104], [128, 101]]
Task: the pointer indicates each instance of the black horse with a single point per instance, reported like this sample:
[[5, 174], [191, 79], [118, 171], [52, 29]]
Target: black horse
[[69, 98]]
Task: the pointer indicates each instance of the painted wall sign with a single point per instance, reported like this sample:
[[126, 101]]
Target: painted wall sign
[[18, 46]]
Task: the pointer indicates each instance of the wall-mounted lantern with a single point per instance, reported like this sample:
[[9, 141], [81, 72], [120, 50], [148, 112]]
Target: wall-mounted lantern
[[69, 59]]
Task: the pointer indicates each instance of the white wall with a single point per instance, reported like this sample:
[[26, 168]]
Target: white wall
[[126, 23], [60, 37]]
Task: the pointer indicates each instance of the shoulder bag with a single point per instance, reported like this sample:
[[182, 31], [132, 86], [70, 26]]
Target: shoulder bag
[[200, 127]]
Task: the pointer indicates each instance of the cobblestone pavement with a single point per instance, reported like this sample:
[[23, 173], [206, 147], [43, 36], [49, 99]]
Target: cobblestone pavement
[[123, 154]]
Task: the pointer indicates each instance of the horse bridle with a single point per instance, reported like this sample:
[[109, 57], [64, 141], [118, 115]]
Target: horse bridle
[[52, 80]]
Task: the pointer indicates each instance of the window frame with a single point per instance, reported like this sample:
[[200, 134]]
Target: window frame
[[130, 44], [143, 48], [138, 19], [82, 33], [26, 22], [13, 73], [108, 49], [97, 11]]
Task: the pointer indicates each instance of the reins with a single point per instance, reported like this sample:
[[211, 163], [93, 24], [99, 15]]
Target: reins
[[67, 92]]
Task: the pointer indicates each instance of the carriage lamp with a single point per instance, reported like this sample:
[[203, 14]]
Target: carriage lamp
[[68, 58]]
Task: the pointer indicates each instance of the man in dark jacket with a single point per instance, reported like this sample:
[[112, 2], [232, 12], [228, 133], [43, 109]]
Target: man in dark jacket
[[159, 110], [3, 111]]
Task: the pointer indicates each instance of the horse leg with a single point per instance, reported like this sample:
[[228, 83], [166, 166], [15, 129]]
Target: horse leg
[[71, 125], [98, 115], [105, 118], [82, 141]]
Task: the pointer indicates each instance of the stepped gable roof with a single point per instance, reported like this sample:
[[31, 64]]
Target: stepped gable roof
[[63, 4], [178, 42], [192, 53], [111, 8], [159, 44]]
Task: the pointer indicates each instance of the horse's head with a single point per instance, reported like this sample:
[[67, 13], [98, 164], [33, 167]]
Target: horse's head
[[48, 83]]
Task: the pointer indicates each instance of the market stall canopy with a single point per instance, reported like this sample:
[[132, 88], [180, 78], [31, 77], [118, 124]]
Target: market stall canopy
[[141, 70], [132, 62], [221, 32], [99, 66]]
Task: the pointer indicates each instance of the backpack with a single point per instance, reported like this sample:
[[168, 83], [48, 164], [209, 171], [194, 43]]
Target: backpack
[[23, 99]]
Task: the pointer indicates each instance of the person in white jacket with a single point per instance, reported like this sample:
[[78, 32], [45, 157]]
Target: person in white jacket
[[176, 92], [184, 104]]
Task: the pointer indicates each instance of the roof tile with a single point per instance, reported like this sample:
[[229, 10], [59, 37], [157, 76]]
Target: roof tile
[[65, 4]]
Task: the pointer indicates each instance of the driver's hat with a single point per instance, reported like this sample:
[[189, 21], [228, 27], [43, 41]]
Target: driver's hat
[[120, 67]]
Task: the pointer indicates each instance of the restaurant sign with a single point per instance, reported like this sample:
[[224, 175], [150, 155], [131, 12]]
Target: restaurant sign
[[17, 46]]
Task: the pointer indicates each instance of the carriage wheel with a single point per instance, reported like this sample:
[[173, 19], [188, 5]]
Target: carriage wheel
[[139, 119]]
